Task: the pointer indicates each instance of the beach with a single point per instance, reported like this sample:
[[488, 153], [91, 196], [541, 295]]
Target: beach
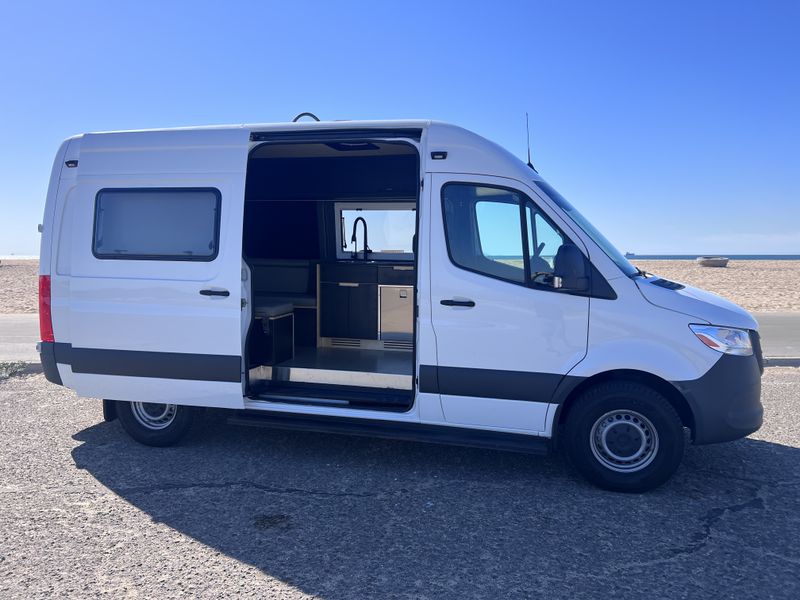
[[757, 285], [19, 286]]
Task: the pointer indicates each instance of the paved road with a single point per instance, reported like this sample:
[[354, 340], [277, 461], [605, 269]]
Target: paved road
[[19, 334], [235, 511], [780, 333], [18, 337]]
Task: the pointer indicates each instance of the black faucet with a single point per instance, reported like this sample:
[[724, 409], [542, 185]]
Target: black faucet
[[354, 239]]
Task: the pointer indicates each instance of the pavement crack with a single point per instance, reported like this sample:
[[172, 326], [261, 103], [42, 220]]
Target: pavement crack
[[711, 517], [170, 487]]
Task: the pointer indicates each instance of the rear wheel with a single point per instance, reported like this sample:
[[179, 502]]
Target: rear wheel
[[624, 436], [155, 424]]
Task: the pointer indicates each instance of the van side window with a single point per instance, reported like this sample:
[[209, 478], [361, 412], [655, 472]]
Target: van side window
[[501, 233], [157, 224], [483, 230]]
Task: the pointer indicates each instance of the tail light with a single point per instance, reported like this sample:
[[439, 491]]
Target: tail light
[[45, 314]]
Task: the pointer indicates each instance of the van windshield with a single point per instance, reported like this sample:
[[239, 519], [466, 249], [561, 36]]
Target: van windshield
[[589, 229]]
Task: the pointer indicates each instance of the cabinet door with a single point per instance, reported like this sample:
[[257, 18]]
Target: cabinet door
[[334, 315], [363, 312]]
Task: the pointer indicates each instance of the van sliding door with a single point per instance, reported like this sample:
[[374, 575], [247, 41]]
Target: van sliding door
[[155, 270]]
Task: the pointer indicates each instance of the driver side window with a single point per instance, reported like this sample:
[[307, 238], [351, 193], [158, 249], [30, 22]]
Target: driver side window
[[499, 232]]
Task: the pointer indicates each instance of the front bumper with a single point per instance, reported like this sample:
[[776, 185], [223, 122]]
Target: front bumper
[[726, 401]]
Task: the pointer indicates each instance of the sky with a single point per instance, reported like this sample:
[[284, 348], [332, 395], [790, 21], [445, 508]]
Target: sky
[[673, 126]]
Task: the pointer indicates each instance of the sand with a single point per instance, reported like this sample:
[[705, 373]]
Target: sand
[[757, 285], [19, 286]]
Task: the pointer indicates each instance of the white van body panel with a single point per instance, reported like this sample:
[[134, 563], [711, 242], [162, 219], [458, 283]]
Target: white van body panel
[[51, 206], [60, 239], [703, 305], [511, 328], [627, 333], [153, 307]]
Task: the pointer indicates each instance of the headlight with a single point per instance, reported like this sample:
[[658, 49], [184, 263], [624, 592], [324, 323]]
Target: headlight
[[727, 340]]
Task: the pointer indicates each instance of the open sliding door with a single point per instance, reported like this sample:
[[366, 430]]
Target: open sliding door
[[155, 270]]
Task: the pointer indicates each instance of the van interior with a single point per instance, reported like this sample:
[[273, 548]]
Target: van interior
[[329, 241]]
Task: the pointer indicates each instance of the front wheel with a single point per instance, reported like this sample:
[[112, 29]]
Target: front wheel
[[155, 424], [624, 437]]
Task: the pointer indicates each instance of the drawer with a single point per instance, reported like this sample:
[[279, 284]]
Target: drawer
[[397, 275], [348, 272]]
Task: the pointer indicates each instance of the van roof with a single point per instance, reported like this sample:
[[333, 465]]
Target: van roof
[[301, 125], [468, 152]]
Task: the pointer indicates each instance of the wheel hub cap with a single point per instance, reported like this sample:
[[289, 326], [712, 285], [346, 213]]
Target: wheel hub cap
[[624, 441], [154, 416]]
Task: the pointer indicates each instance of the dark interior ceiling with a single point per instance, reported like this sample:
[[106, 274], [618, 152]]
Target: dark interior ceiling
[[331, 171]]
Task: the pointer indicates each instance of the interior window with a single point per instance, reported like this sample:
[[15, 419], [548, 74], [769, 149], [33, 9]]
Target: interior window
[[483, 230], [389, 231]]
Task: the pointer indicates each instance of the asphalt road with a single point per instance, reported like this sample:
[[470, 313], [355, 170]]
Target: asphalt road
[[18, 337], [86, 511], [780, 334]]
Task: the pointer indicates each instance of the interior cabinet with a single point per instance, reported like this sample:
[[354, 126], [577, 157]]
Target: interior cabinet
[[349, 310], [334, 310], [349, 298], [362, 317]]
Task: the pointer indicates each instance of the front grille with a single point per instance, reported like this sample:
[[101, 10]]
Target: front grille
[[756, 341]]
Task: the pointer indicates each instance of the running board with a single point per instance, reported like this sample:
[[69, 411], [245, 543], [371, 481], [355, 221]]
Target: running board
[[372, 399], [365, 379], [398, 430]]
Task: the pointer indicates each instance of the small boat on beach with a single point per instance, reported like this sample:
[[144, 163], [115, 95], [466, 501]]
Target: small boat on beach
[[712, 261]]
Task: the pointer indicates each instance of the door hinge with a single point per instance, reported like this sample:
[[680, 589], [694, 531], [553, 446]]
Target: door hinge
[[422, 184], [244, 303]]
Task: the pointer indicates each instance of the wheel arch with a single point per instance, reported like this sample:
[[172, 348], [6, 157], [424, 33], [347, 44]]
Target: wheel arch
[[664, 387]]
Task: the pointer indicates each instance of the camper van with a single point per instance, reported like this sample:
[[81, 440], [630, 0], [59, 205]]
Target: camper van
[[403, 279]]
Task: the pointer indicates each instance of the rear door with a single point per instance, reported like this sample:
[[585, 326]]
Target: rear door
[[505, 337], [155, 269]]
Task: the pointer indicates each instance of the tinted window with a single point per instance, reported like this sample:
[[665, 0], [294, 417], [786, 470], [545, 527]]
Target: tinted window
[[483, 230], [151, 224]]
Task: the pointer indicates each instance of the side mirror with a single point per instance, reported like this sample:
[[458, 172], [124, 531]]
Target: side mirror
[[571, 269]]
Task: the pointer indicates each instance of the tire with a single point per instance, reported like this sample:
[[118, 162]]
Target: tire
[[624, 437], [154, 424]]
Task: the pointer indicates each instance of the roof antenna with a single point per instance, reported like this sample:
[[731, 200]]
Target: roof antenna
[[305, 114], [528, 130]]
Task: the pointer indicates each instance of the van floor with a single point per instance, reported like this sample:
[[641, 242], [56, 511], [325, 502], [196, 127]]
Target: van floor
[[339, 376]]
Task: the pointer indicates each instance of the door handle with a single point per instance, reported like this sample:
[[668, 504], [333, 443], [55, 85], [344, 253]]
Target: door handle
[[468, 303], [215, 293]]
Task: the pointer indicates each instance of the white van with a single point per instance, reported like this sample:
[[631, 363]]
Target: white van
[[405, 279]]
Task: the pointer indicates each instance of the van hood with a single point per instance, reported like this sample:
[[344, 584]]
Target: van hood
[[695, 302]]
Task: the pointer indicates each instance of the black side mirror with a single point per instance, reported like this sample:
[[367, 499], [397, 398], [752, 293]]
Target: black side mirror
[[571, 269]]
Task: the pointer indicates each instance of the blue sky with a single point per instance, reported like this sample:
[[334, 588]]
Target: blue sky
[[674, 126]]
